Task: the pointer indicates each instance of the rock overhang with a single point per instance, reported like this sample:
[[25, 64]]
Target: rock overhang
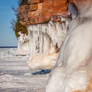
[[41, 11]]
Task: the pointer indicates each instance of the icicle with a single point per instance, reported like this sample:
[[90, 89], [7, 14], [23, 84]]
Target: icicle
[[34, 42], [47, 43], [59, 34], [44, 28], [30, 43], [52, 32], [40, 42], [22, 44], [30, 28], [43, 37]]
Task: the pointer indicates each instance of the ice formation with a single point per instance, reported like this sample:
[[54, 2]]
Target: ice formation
[[23, 44], [75, 73], [44, 43]]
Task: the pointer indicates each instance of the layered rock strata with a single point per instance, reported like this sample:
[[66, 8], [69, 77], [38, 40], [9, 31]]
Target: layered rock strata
[[41, 11]]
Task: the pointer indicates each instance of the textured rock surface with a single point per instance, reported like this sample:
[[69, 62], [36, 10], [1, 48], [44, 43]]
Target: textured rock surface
[[41, 12]]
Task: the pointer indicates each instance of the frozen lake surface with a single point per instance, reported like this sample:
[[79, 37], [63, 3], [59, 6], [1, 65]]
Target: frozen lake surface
[[15, 75]]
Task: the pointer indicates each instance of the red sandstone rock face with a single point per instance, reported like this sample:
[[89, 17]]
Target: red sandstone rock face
[[41, 11]]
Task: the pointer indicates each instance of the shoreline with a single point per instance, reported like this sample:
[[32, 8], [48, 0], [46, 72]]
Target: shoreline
[[8, 46]]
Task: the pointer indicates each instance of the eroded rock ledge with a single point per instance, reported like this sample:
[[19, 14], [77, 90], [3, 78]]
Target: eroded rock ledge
[[41, 11]]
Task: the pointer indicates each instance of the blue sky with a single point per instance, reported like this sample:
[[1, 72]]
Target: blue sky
[[7, 36]]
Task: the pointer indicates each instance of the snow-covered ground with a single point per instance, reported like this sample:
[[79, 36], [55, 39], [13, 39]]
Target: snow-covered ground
[[15, 75], [11, 53]]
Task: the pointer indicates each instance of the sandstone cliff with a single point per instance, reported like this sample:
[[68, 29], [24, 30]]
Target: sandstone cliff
[[46, 25], [41, 11]]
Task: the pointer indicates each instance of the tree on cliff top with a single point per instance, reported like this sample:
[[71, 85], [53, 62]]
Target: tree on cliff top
[[22, 2], [20, 28], [16, 25]]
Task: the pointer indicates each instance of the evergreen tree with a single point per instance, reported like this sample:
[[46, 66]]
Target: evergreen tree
[[16, 25], [20, 28]]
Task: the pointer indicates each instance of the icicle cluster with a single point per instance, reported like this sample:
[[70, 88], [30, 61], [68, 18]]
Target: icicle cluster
[[23, 44], [44, 41], [44, 36]]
